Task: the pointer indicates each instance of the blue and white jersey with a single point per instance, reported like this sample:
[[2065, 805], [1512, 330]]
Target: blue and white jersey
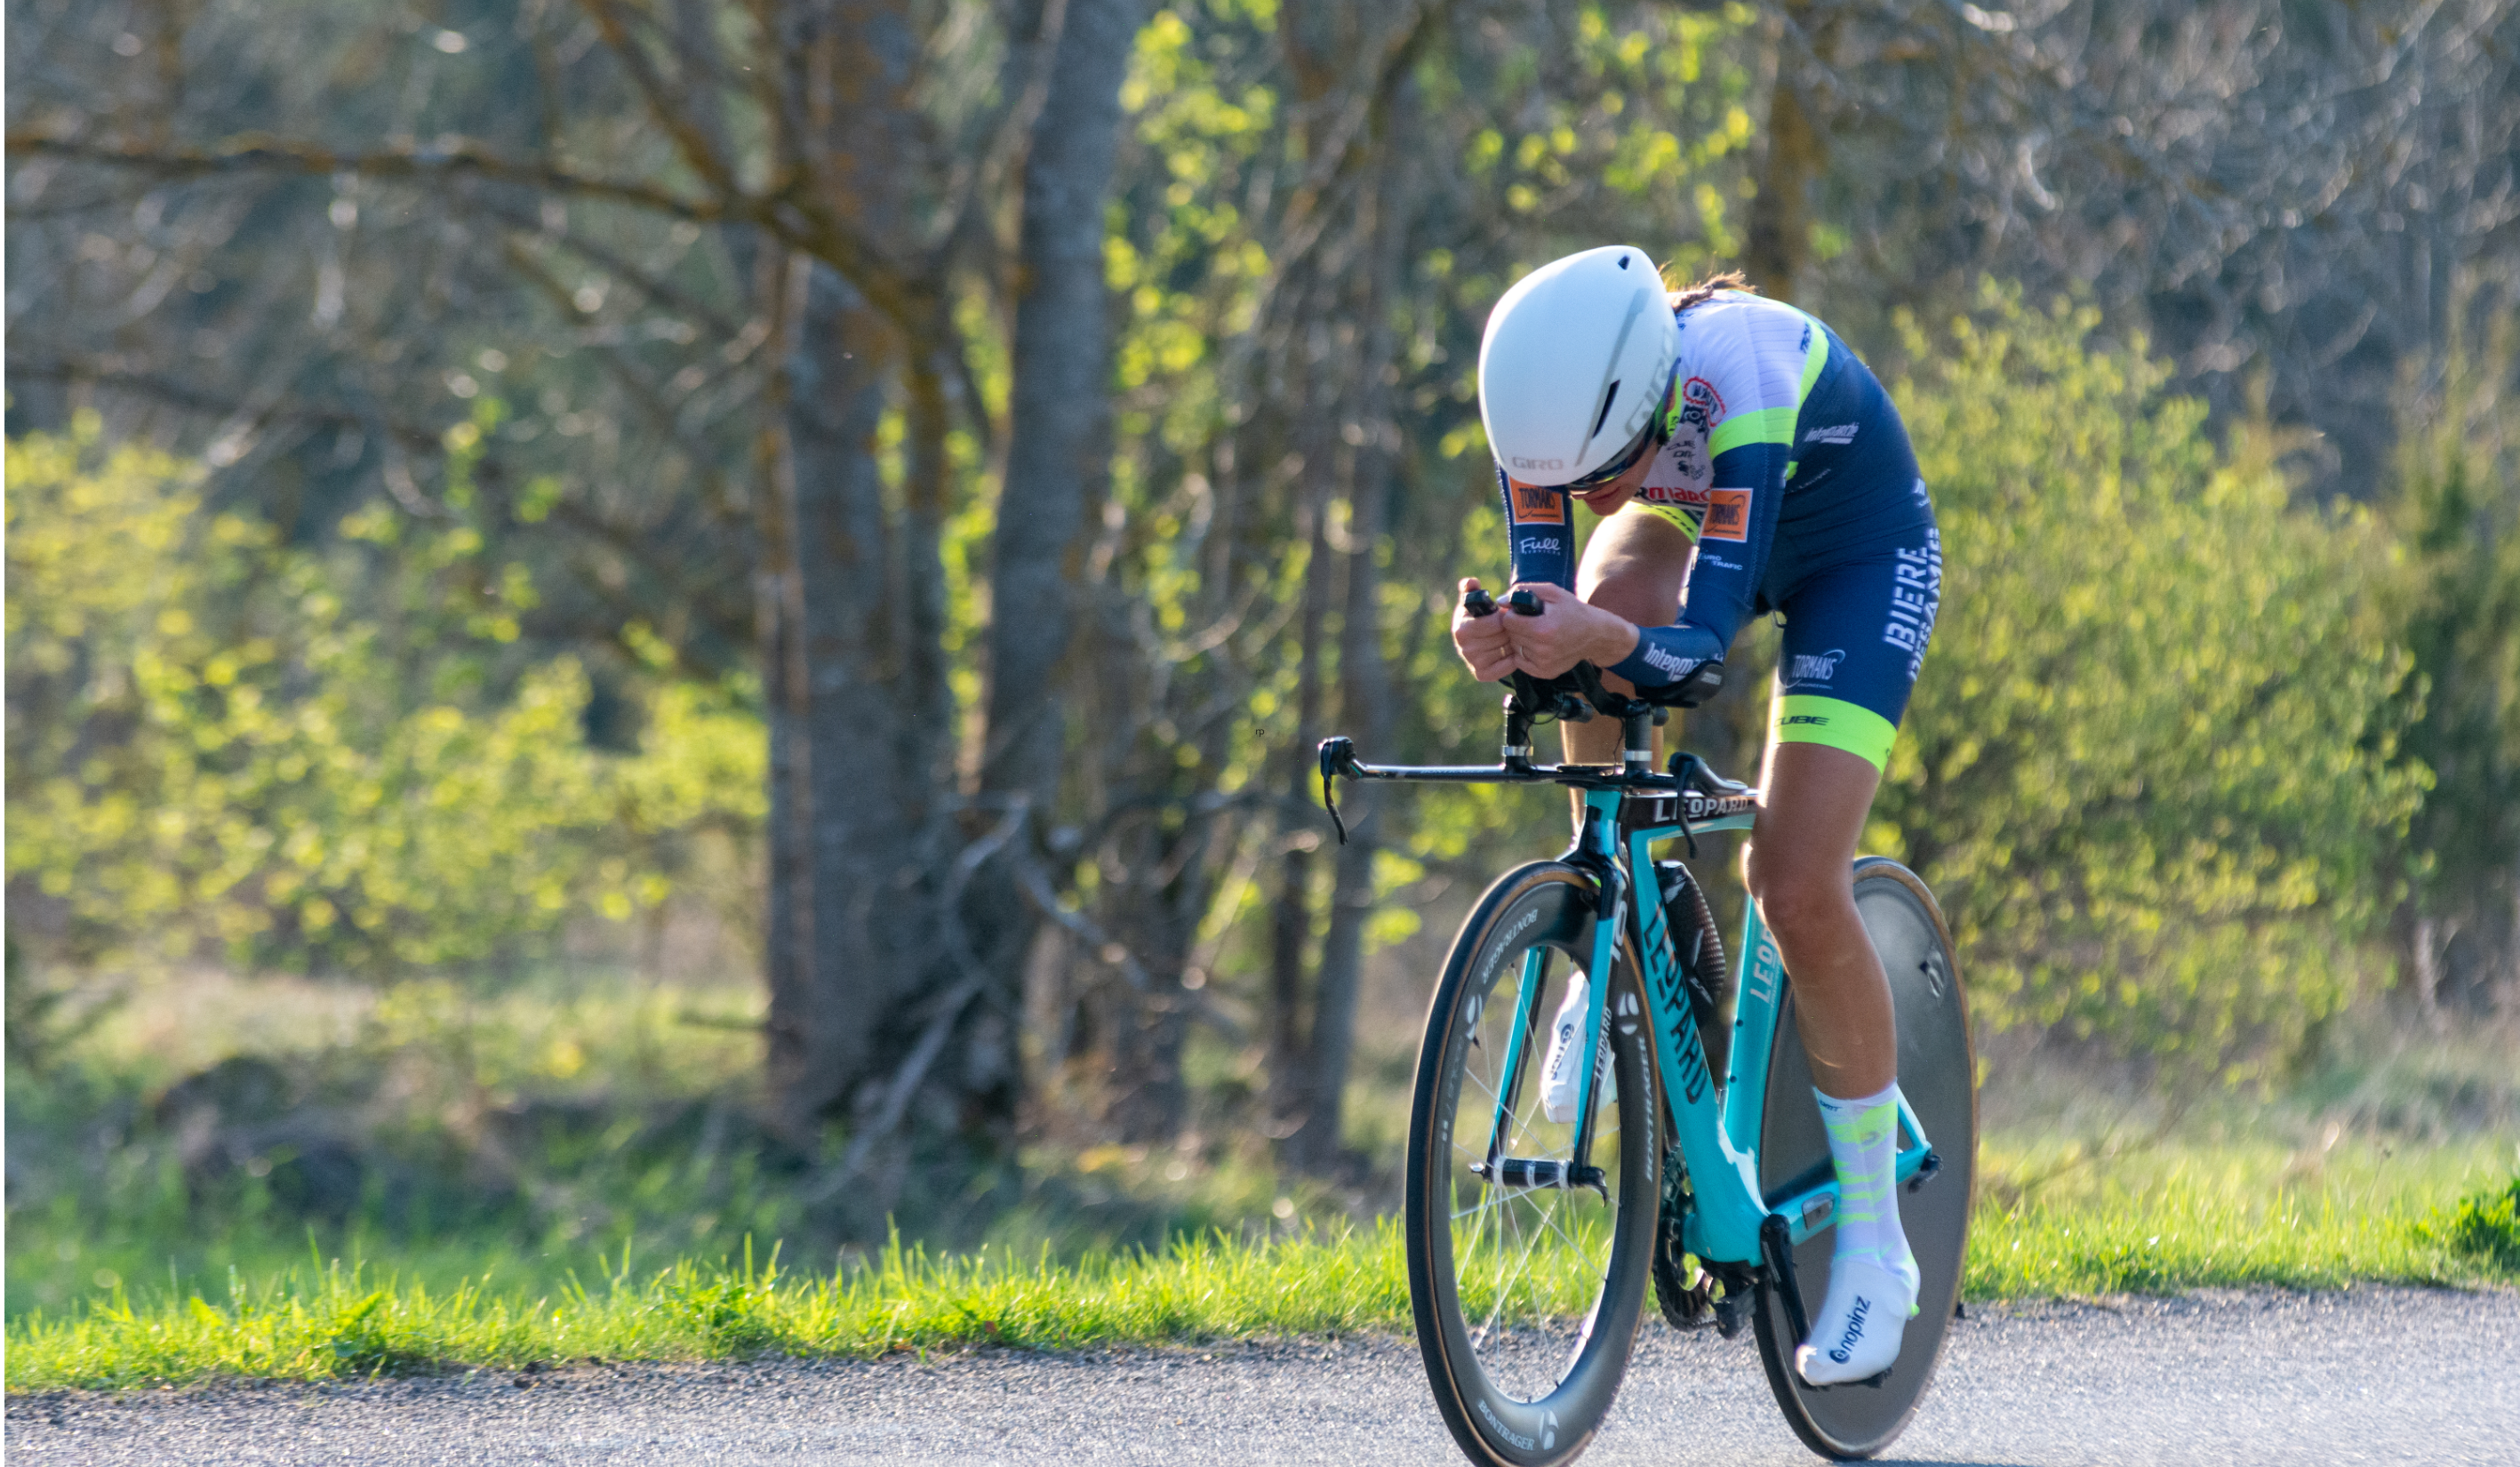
[[1783, 456]]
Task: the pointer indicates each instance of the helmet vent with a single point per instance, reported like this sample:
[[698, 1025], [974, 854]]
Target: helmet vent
[[1623, 261], [1603, 416]]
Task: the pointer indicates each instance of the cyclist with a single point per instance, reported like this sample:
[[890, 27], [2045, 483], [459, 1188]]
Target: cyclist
[[1743, 462]]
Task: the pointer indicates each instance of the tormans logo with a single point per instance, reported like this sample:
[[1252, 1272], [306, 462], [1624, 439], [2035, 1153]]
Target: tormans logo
[[1727, 515], [1819, 668], [1536, 506]]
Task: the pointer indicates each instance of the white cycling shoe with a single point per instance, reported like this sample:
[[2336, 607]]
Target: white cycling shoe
[[1557, 1072], [1855, 1334]]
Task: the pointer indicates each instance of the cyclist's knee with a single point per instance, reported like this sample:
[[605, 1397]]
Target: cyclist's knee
[[1794, 894]]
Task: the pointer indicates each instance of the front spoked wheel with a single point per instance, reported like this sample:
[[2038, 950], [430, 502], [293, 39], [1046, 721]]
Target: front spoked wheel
[[1527, 1264], [1937, 1074]]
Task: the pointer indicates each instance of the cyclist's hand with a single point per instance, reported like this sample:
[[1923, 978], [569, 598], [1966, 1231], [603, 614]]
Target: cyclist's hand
[[1568, 630], [1481, 640]]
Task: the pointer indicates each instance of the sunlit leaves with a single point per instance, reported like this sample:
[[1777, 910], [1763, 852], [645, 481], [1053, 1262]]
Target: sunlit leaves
[[2149, 766], [209, 751]]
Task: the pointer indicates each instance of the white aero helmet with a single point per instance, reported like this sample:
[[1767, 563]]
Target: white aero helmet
[[1575, 362]]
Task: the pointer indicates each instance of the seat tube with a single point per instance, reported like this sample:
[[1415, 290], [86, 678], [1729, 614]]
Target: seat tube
[[1760, 983]]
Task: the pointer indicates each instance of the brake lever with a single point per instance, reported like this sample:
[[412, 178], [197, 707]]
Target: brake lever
[[1337, 754]]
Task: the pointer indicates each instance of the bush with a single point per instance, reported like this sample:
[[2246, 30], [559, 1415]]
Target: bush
[[2486, 1227], [2151, 764], [211, 749]]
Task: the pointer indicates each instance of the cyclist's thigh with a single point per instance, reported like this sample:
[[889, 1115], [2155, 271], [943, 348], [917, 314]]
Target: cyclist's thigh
[[1636, 564], [1855, 637]]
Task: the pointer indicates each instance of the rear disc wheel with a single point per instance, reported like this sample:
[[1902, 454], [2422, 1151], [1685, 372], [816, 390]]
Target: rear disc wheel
[[1938, 1076]]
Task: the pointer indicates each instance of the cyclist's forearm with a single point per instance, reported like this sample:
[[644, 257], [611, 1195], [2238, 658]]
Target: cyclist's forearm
[[1539, 528], [1666, 654]]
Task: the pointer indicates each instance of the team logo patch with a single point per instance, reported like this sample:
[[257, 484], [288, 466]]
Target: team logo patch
[[1727, 515], [1822, 667], [1700, 394], [1536, 506]]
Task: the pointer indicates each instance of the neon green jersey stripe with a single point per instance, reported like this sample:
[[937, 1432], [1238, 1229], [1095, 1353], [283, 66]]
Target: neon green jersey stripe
[[1813, 361], [1803, 718], [1770, 425], [1670, 513]]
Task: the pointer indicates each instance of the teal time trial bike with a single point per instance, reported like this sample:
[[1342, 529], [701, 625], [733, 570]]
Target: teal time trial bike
[[1693, 1161]]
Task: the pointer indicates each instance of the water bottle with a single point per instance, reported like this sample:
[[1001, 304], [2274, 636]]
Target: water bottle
[[1713, 997]]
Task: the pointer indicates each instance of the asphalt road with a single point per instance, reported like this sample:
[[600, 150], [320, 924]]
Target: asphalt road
[[2371, 1375]]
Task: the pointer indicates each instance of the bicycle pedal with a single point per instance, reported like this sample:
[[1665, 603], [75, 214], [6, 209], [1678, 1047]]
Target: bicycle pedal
[[1732, 1313], [1874, 1381]]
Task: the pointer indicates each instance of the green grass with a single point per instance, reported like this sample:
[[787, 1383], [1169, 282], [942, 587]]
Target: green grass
[[2199, 1234], [2195, 1223], [333, 1321], [531, 1146]]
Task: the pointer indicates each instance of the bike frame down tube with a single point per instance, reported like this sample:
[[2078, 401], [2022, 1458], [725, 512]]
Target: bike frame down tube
[[1718, 1125]]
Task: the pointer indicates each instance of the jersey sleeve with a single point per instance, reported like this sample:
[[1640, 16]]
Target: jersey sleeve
[[1540, 524], [1747, 371]]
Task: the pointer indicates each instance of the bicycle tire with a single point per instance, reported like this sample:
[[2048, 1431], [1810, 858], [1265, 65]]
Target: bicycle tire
[[1519, 1377], [1937, 1074]]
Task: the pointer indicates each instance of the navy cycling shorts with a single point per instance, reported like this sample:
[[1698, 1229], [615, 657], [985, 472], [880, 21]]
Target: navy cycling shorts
[[1855, 635]]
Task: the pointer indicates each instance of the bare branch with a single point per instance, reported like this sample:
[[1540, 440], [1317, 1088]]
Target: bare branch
[[452, 158]]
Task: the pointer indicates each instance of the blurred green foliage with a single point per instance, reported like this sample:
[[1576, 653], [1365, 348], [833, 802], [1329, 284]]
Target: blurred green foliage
[[222, 743], [2155, 765], [2457, 513], [2152, 766], [2486, 1227]]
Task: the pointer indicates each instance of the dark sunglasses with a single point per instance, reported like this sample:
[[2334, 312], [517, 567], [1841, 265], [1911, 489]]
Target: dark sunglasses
[[1645, 443]]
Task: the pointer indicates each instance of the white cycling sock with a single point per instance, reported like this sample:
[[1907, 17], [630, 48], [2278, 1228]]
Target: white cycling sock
[[1863, 1144], [1566, 1056], [1872, 1277]]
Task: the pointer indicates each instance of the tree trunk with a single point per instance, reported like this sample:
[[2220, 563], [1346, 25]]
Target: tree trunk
[[1365, 709], [1060, 448], [1291, 921], [848, 803], [1797, 151], [1364, 678], [859, 727]]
